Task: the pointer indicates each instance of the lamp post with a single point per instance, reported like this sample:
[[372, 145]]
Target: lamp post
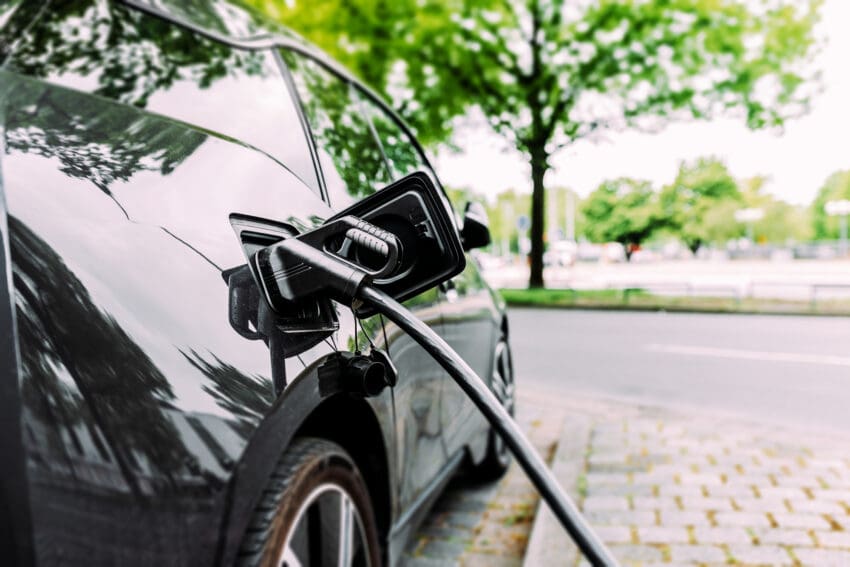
[[840, 208], [749, 217]]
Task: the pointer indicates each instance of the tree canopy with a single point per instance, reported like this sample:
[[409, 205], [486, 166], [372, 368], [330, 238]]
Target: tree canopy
[[546, 73], [700, 203], [836, 187], [622, 210]]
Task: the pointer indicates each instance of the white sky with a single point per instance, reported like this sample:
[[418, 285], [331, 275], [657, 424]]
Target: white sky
[[797, 161]]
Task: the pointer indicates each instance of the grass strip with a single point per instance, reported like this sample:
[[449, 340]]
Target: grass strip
[[640, 300]]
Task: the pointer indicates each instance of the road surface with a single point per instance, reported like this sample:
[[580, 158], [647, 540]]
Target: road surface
[[791, 370]]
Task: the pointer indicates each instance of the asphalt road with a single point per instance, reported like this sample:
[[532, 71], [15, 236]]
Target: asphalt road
[[791, 370]]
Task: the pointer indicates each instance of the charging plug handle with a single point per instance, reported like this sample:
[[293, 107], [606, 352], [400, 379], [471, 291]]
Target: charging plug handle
[[313, 262]]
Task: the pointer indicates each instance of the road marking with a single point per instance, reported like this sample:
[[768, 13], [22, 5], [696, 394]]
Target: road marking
[[760, 355]]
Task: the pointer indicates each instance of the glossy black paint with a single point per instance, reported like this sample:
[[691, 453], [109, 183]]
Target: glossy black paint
[[139, 426]]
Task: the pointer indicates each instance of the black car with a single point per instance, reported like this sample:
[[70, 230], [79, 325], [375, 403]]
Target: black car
[[145, 416]]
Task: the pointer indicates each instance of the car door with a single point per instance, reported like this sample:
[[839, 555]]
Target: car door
[[470, 324], [466, 307], [127, 150], [353, 166]]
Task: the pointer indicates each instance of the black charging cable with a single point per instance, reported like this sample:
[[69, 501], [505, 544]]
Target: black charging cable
[[475, 388], [308, 264]]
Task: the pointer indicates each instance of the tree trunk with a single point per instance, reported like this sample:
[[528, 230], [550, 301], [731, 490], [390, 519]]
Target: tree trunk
[[539, 166]]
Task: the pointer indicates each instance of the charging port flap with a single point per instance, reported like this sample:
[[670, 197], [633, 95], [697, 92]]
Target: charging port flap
[[418, 215]]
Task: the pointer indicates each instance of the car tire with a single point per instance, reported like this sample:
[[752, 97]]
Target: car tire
[[498, 458], [315, 510]]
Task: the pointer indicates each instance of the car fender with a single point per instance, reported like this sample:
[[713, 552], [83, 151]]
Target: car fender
[[285, 420]]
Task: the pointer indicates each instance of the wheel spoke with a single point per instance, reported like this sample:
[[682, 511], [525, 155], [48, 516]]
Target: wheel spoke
[[290, 559], [346, 530], [327, 531]]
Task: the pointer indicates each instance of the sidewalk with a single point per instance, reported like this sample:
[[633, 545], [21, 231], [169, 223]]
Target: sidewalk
[[487, 525], [662, 487]]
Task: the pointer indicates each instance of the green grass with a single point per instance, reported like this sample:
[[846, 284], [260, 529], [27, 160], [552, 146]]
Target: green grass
[[637, 299]]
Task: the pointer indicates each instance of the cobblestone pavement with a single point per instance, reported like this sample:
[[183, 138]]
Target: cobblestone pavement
[[663, 487], [476, 524]]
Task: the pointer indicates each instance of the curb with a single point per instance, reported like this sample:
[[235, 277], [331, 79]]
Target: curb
[[548, 544]]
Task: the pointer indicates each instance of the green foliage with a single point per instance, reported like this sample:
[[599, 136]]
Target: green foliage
[[547, 73], [701, 202], [836, 187], [782, 222], [623, 210]]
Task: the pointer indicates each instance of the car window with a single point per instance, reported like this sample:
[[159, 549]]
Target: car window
[[112, 51], [400, 150], [350, 156]]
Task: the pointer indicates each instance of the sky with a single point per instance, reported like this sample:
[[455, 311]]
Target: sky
[[797, 161]]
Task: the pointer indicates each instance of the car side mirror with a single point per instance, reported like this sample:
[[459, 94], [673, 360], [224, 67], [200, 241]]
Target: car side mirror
[[476, 227]]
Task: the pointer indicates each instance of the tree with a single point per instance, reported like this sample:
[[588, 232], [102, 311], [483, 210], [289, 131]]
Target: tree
[[836, 187], [546, 73], [621, 210], [781, 221], [700, 204]]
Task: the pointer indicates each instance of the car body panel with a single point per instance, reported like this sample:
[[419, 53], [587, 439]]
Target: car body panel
[[470, 319], [150, 425]]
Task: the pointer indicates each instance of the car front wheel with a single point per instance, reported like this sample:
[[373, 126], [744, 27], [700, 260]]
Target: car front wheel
[[315, 511]]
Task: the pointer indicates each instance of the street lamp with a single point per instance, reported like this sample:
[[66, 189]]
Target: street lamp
[[750, 217], [840, 208]]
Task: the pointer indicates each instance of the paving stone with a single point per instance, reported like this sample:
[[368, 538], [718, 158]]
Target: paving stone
[[672, 490], [742, 519], [621, 517], [797, 481], [437, 531], [833, 539], [684, 518], [817, 507], [463, 520], [620, 490], [833, 495], [607, 460], [762, 505], [805, 521], [722, 535], [823, 557], [760, 555], [663, 535], [731, 490], [781, 536], [625, 553], [718, 504], [605, 479], [842, 520], [661, 503], [615, 468], [444, 548], [697, 553], [597, 503], [700, 480], [614, 534], [781, 493]]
